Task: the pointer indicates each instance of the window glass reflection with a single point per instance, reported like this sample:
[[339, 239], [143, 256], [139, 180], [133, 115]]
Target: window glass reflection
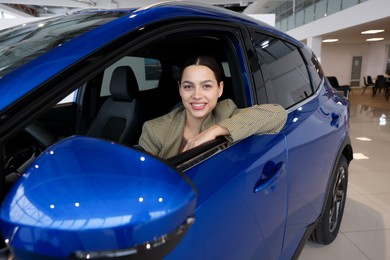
[[18, 45]]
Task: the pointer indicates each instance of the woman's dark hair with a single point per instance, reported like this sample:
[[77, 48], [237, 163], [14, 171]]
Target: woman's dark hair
[[204, 61]]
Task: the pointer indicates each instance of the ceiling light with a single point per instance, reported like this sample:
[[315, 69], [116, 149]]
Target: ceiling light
[[373, 31], [330, 40], [375, 39]]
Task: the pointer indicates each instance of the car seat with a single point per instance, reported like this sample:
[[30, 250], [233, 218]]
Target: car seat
[[117, 119]]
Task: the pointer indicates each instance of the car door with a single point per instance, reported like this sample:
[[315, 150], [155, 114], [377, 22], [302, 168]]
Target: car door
[[291, 76], [242, 202]]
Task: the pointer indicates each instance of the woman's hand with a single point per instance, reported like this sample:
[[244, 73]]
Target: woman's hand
[[207, 135]]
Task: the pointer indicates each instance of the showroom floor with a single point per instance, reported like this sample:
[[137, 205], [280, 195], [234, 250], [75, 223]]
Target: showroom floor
[[365, 230]]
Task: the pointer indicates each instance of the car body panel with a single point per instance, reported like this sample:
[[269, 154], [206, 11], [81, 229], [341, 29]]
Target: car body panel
[[312, 137]]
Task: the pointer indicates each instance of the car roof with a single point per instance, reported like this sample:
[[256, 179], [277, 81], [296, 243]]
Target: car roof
[[30, 76]]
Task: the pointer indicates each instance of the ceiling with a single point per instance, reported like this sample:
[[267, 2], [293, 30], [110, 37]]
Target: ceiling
[[39, 8], [353, 34]]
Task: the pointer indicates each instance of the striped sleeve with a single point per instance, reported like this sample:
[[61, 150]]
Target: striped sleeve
[[258, 119]]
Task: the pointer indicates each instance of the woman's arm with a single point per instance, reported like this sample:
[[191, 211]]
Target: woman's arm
[[207, 135], [258, 119]]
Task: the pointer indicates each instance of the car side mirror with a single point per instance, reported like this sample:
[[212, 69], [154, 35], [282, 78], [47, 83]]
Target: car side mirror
[[90, 198]]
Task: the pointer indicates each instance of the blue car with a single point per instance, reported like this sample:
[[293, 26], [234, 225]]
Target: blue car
[[75, 91]]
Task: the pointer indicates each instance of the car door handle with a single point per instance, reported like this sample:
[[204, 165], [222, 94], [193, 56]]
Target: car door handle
[[335, 120], [271, 175]]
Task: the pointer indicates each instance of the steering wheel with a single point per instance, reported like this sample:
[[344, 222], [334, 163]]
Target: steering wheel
[[43, 137]]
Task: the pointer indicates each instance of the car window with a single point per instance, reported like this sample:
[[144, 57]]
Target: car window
[[146, 70], [69, 98], [23, 43], [156, 63], [226, 69], [157, 73], [314, 66], [284, 71]]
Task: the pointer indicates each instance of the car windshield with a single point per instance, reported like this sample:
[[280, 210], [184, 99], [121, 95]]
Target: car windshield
[[20, 44]]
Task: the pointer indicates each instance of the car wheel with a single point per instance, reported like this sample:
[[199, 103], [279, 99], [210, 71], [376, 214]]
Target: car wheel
[[328, 225]]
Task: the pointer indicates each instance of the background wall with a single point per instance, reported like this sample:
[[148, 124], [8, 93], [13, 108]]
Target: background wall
[[336, 60]]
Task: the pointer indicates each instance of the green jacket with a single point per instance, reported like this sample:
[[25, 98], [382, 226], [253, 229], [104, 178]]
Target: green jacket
[[162, 136]]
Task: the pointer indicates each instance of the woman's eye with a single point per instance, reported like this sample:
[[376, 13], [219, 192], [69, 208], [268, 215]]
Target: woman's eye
[[187, 87]]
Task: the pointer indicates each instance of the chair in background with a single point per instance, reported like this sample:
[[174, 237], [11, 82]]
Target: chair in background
[[367, 84], [380, 84], [335, 84], [369, 80], [387, 90]]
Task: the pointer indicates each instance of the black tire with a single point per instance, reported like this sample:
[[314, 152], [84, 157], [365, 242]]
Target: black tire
[[328, 225]]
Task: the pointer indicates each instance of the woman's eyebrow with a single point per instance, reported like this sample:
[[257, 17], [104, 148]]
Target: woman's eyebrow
[[202, 82], [187, 81], [207, 81]]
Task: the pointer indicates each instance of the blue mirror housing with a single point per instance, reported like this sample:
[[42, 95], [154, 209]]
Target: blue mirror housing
[[90, 198]]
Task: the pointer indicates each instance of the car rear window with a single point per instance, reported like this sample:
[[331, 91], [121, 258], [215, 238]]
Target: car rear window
[[22, 43], [285, 73]]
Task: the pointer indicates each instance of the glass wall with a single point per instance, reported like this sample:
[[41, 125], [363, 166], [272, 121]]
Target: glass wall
[[291, 14], [388, 61]]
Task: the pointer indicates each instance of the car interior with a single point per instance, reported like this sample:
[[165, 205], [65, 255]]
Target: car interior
[[115, 103]]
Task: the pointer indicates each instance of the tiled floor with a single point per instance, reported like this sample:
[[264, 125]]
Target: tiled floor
[[365, 230]]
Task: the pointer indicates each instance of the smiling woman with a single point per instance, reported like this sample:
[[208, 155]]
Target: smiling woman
[[202, 118]]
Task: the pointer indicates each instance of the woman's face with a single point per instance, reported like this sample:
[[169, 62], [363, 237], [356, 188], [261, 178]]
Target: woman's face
[[199, 91]]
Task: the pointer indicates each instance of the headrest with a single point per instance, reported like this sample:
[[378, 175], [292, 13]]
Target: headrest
[[123, 84]]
